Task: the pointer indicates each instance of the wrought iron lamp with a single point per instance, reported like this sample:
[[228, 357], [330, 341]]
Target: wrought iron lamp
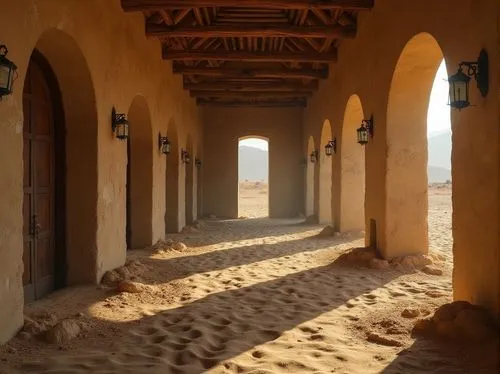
[[164, 144], [331, 147], [185, 157], [119, 125], [314, 156], [460, 82], [8, 73], [365, 132]]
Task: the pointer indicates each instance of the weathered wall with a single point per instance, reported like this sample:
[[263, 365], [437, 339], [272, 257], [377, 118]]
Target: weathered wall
[[223, 129], [366, 66], [122, 65]]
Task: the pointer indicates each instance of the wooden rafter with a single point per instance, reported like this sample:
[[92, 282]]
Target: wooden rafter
[[217, 55], [255, 31], [142, 5], [250, 52]]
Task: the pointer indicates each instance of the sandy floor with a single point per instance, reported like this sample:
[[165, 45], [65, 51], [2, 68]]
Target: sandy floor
[[254, 296], [253, 201]]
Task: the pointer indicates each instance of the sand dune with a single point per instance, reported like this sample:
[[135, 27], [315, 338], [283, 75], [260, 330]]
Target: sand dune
[[255, 296]]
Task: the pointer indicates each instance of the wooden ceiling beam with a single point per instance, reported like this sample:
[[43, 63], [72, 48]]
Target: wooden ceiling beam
[[300, 103], [251, 72], [251, 95], [257, 31], [144, 5], [211, 55], [252, 86]]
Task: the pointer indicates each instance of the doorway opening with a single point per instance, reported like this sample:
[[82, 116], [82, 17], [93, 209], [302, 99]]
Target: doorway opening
[[417, 114], [44, 212], [439, 145], [253, 177]]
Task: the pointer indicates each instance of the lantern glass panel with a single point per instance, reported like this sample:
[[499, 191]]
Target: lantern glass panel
[[362, 135], [329, 149], [122, 131], [165, 148], [5, 78]]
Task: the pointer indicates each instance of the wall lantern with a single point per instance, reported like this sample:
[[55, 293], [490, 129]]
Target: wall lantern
[[185, 157], [119, 124], [331, 147], [8, 72], [365, 131], [197, 162], [459, 83], [164, 144], [314, 156]]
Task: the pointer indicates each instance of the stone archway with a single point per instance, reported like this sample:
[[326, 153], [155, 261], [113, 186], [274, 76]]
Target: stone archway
[[325, 176], [139, 175], [352, 166], [172, 180], [310, 178], [406, 178], [78, 232], [189, 183]]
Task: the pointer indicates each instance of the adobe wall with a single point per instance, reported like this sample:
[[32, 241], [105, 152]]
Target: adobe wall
[[365, 67], [223, 127], [122, 65]]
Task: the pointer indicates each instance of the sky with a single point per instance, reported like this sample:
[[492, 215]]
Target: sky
[[438, 116]]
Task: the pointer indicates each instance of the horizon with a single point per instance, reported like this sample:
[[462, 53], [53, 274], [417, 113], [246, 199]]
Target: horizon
[[438, 115]]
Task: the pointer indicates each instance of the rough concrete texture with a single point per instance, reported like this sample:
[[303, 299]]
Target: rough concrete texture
[[397, 95], [224, 127], [102, 59]]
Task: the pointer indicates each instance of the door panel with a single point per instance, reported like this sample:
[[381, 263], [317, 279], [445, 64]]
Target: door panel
[[39, 179]]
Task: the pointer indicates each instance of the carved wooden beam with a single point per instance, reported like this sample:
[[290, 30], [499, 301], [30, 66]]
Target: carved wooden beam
[[144, 5], [301, 103], [251, 95], [161, 31], [252, 72], [193, 55], [252, 86]]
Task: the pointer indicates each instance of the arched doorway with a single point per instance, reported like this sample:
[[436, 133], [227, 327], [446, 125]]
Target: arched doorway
[[325, 176], [189, 183], [352, 166], [310, 178], [60, 168], [172, 220], [407, 153], [139, 176], [253, 177]]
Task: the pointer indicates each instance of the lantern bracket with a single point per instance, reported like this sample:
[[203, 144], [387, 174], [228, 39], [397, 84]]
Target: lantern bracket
[[479, 70]]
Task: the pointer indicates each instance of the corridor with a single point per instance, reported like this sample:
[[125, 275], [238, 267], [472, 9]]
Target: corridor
[[260, 296]]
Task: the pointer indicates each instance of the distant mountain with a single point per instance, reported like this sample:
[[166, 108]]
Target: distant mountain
[[439, 146], [438, 175], [253, 164]]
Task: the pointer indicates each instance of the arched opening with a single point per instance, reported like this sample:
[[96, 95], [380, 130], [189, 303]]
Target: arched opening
[[325, 176], [352, 166], [253, 177], [60, 168], [407, 150], [310, 173], [189, 184], [172, 221], [139, 176]]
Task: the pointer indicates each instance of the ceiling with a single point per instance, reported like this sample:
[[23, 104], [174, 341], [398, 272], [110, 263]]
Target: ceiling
[[267, 53]]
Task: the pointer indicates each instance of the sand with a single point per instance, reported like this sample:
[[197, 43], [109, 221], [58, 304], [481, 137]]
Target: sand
[[256, 296]]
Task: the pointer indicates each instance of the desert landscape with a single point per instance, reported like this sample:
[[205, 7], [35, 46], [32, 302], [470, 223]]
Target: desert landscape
[[254, 296]]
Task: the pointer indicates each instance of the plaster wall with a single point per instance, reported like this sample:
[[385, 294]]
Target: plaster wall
[[366, 67], [122, 64], [223, 127]]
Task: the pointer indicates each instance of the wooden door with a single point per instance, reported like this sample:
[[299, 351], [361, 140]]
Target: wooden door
[[39, 181]]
